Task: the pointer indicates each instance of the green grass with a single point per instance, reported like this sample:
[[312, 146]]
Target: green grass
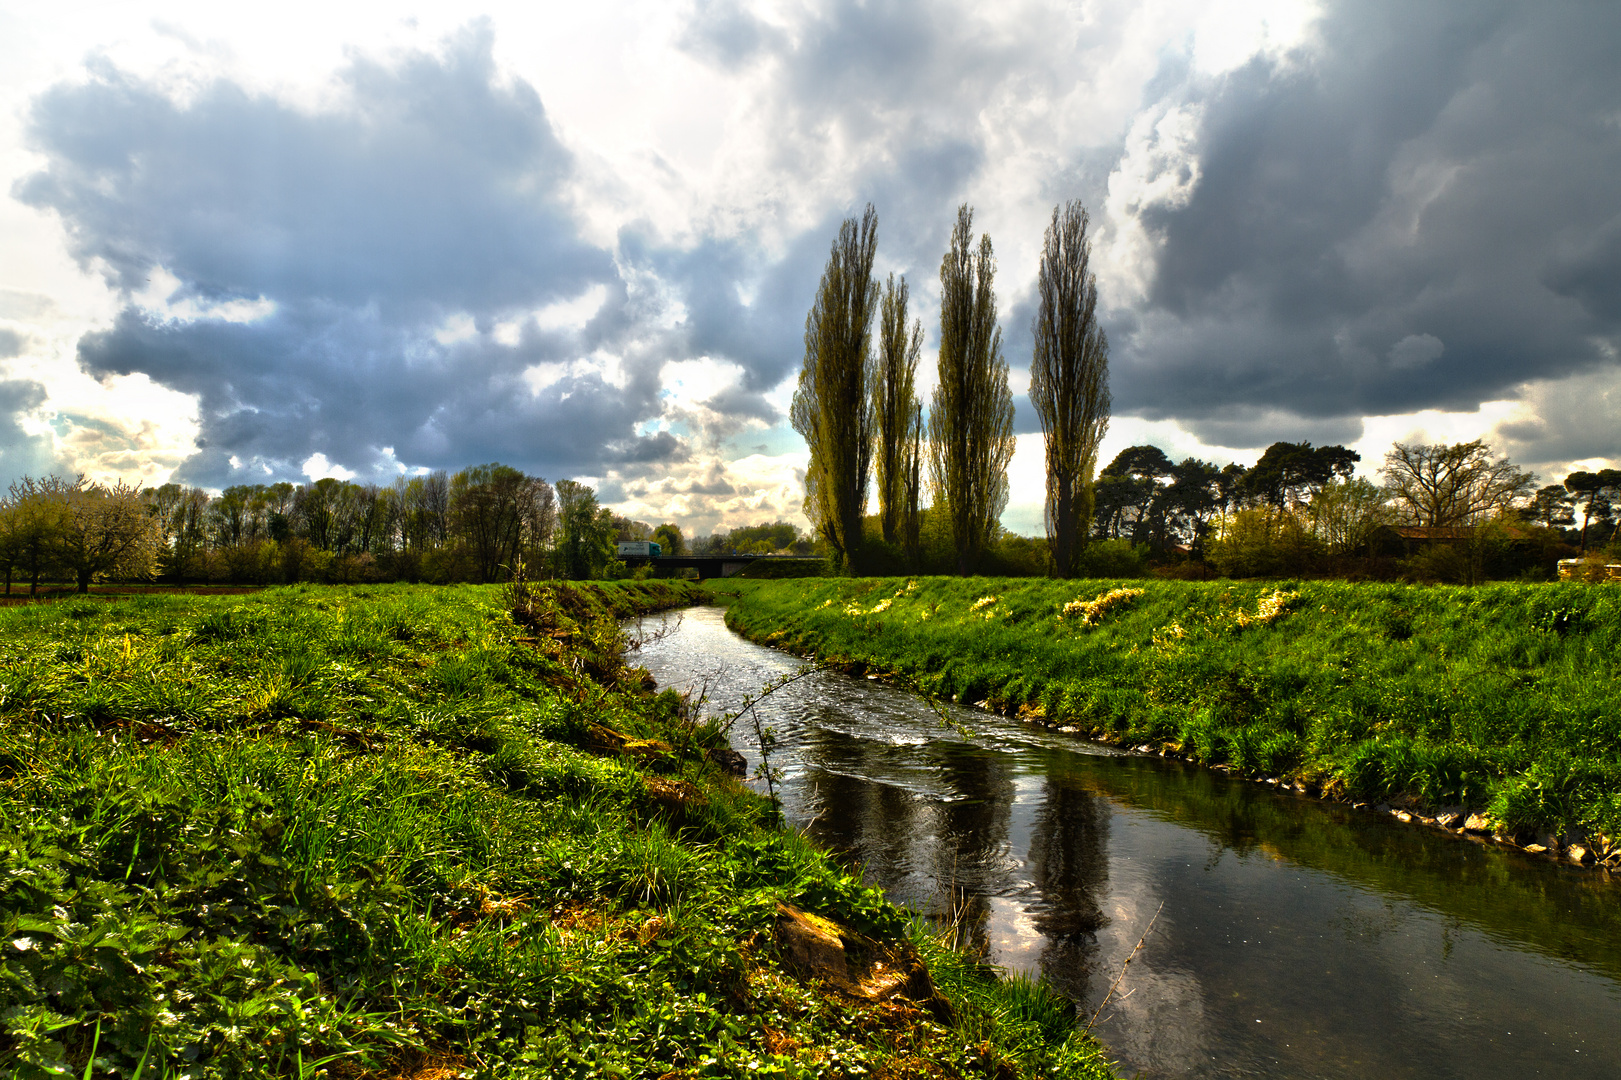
[[1502, 697], [365, 831]]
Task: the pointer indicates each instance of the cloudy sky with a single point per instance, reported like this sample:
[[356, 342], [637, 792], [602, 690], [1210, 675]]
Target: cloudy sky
[[255, 242]]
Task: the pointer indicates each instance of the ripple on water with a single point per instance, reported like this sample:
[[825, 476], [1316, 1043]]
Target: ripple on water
[[1296, 939]]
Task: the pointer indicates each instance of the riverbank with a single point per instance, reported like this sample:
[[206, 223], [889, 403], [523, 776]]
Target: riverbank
[[427, 832], [1492, 711]]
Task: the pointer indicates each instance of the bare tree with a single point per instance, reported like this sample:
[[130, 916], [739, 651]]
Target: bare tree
[[894, 401], [540, 513], [1069, 381], [833, 407], [488, 510], [435, 507], [1441, 485], [1345, 513], [971, 413]]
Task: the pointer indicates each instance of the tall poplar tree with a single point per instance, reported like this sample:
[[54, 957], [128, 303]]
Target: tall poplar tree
[[971, 413], [1069, 382], [912, 473], [894, 393], [833, 407]]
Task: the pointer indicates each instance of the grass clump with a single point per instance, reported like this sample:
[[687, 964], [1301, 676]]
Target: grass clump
[[1504, 698], [390, 831]]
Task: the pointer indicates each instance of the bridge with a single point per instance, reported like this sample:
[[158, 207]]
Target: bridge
[[709, 566]]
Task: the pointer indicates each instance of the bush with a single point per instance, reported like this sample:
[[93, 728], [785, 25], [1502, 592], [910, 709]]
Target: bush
[[1113, 559]]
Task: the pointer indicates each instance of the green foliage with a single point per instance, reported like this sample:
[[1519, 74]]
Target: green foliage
[[833, 405], [1502, 696], [971, 413], [366, 829]]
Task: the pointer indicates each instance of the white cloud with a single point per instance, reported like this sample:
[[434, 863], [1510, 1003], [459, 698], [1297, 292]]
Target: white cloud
[[572, 314], [317, 467], [455, 329], [1159, 170]]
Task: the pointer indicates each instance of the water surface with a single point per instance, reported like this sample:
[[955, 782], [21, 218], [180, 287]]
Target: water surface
[[1294, 938]]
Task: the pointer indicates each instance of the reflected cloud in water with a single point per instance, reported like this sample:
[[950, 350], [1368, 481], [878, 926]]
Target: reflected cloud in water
[[1296, 938]]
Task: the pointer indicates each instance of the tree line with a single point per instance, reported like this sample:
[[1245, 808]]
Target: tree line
[[1299, 507], [478, 525]]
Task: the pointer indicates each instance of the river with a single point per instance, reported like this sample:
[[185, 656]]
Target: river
[[1294, 938]]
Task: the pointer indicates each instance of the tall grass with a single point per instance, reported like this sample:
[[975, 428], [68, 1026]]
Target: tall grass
[[362, 831], [1501, 697]]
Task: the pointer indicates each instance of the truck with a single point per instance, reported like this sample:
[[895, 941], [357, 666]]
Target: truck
[[639, 549]]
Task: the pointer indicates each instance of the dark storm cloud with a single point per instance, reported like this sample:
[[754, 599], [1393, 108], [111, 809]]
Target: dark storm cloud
[[431, 191], [763, 334], [1591, 274], [1400, 220], [283, 389], [432, 186]]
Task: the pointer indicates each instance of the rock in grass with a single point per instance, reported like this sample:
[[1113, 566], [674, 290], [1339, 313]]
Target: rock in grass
[[675, 797], [812, 946], [1578, 854], [818, 948], [729, 760], [1477, 823]]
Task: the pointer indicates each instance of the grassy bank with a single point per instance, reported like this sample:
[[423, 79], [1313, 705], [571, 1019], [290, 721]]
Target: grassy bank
[[1501, 698], [397, 832]]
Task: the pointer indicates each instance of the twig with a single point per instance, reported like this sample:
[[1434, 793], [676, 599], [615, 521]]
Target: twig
[[766, 737], [642, 637], [1134, 951]]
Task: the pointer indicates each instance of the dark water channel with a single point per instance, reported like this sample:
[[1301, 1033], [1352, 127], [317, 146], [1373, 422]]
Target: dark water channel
[[1297, 938]]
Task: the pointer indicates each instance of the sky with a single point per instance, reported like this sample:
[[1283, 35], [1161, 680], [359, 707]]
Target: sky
[[246, 242]]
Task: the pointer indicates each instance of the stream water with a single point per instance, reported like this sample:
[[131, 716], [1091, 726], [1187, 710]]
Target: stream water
[[1294, 938]]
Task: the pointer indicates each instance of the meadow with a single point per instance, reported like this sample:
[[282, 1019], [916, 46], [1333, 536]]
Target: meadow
[[400, 831], [1502, 699]]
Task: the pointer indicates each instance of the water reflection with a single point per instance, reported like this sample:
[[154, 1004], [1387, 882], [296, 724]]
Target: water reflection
[[1069, 867], [1297, 939]]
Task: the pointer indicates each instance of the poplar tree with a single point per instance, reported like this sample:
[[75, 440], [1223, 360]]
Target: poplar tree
[[1069, 382], [912, 473], [833, 407], [894, 403], [971, 413]]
